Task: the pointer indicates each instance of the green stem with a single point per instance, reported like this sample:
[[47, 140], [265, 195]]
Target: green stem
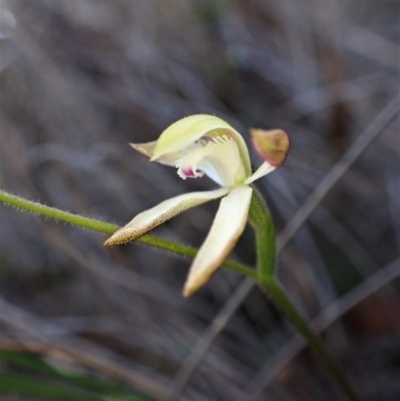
[[261, 220], [277, 293], [108, 228]]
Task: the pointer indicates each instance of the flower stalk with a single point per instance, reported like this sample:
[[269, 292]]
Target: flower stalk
[[261, 220]]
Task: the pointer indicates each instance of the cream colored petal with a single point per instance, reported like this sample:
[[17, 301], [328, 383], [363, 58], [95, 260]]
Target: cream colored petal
[[146, 221], [227, 227], [147, 149], [219, 159], [188, 130], [264, 169]]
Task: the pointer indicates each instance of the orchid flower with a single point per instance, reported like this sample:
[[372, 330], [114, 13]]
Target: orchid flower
[[198, 145]]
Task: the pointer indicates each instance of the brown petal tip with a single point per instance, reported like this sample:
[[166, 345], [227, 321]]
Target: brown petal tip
[[123, 236], [271, 145], [146, 149]]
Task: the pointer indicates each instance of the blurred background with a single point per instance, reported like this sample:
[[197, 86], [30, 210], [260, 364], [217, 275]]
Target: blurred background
[[80, 79]]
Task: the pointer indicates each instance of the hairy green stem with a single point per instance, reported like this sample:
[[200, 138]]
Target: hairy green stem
[[107, 228], [261, 220]]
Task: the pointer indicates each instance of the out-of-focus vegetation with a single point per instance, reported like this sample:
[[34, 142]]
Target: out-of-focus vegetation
[[32, 376], [80, 79]]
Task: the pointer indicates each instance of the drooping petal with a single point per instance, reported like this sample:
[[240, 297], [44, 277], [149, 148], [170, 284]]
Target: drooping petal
[[146, 221], [227, 227], [147, 149], [180, 135]]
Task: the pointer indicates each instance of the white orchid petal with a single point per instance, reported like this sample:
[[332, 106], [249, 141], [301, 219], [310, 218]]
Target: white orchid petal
[[180, 135], [219, 158], [188, 163], [211, 172], [227, 227], [222, 155], [146, 221], [264, 169]]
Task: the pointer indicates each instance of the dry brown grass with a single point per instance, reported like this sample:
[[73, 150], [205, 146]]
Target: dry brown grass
[[80, 79]]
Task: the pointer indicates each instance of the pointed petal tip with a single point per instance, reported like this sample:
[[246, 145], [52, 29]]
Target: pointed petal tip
[[197, 281], [109, 242], [272, 145], [187, 291], [115, 239], [123, 236], [193, 285], [146, 149]]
